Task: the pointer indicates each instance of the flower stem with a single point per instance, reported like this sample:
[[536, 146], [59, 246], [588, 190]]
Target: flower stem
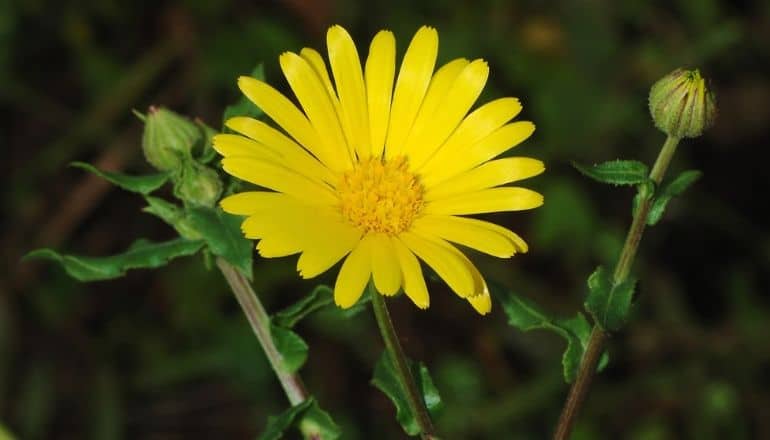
[[598, 339], [396, 353], [260, 324]]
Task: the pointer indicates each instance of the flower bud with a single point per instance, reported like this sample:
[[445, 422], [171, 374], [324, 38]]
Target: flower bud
[[681, 105], [168, 138], [198, 184]]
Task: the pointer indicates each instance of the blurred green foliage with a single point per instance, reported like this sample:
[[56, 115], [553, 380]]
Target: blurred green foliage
[[168, 354]]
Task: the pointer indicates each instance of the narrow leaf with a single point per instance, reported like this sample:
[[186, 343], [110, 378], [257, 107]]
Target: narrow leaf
[[386, 380], [244, 107], [312, 421], [674, 189], [616, 172], [290, 316], [607, 302], [144, 184], [527, 316], [222, 233], [143, 254], [292, 347]]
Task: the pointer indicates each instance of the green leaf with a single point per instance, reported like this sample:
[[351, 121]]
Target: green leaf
[[675, 188], [320, 296], [386, 380], [222, 233], [205, 145], [244, 107], [312, 421], [144, 184], [526, 316], [142, 254], [292, 348], [609, 303], [616, 172]]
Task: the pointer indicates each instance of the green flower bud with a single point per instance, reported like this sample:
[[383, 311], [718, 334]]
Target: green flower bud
[[168, 138], [681, 105], [198, 184]]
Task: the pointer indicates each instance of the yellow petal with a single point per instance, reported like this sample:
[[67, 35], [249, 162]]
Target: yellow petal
[[385, 269], [496, 143], [447, 265], [319, 108], [235, 145], [288, 116], [488, 175], [414, 282], [479, 124], [332, 241], [482, 303], [354, 275], [486, 200], [466, 233], [278, 178], [248, 203], [379, 72], [349, 79], [433, 126], [293, 156], [411, 85]]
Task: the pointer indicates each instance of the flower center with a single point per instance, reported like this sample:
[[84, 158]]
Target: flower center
[[380, 196]]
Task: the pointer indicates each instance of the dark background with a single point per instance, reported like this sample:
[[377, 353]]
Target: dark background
[[167, 354]]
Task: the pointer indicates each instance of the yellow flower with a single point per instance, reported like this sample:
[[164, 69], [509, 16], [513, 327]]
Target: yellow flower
[[380, 175]]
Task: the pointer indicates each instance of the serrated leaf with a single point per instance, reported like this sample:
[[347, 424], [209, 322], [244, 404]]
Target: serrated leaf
[[222, 233], [675, 188], [144, 184], [143, 254], [244, 107], [616, 172], [609, 303], [526, 316], [320, 296], [311, 420], [292, 347], [386, 380]]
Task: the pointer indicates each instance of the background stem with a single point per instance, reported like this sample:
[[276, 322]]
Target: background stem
[[590, 361], [260, 323], [396, 353]]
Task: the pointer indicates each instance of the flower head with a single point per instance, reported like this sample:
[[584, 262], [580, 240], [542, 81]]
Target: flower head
[[681, 105], [380, 169]]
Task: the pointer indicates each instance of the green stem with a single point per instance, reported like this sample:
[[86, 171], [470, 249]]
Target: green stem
[[260, 324], [598, 339], [404, 373]]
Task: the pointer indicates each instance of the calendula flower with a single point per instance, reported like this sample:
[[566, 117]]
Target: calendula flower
[[380, 170]]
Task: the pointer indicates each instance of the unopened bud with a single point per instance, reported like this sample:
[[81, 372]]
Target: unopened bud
[[681, 105], [198, 184], [168, 138]]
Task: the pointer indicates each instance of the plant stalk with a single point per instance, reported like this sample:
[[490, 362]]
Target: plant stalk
[[598, 339], [260, 324], [404, 373]]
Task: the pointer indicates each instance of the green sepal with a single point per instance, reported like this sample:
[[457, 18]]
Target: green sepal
[[607, 302], [311, 420], [244, 107], [616, 172], [222, 233], [292, 347], [143, 254], [526, 316], [386, 380], [143, 184], [320, 296], [674, 189]]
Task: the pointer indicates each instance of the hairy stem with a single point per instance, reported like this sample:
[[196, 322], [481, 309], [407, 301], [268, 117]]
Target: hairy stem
[[404, 373], [596, 343], [260, 324]]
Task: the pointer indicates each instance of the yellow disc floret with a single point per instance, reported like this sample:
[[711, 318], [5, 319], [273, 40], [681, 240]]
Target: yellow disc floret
[[380, 196]]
